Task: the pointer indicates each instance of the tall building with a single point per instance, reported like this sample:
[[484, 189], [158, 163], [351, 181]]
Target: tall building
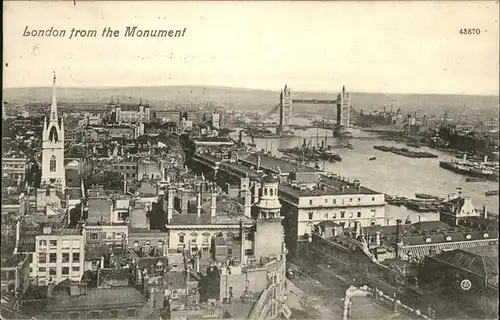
[[131, 113], [343, 110], [59, 255], [53, 147], [285, 110]]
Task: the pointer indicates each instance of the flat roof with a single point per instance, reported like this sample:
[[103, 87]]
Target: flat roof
[[272, 163], [330, 188], [96, 299]]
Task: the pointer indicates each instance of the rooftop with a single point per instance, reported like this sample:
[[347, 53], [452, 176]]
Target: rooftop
[[97, 298], [326, 186], [482, 261], [275, 163], [228, 211]]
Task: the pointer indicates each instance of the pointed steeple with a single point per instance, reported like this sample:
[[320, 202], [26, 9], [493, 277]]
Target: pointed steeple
[[343, 88], [53, 107]]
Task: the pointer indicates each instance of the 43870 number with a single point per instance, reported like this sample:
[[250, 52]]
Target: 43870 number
[[469, 31]]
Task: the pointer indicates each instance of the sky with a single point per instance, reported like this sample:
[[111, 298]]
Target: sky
[[404, 47]]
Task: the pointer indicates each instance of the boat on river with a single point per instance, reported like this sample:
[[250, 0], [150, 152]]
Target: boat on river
[[473, 179], [372, 158], [425, 196], [491, 193]]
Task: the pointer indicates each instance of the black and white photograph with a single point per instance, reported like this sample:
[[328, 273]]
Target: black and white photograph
[[256, 160]]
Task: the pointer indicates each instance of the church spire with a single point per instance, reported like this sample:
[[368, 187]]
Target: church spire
[[53, 107]]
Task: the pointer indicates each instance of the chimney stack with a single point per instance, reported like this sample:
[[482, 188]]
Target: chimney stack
[[399, 240], [213, 203], [258, 162], [198, 205], [170, 203], [485, 211], [18, 233], [248, 203], [124, 184], [358, 229], [377, 238]]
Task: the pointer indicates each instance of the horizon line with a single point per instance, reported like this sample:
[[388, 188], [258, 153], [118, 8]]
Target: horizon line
[[254, 89]]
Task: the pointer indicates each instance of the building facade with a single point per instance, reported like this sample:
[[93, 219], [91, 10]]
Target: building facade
[[59, 255]]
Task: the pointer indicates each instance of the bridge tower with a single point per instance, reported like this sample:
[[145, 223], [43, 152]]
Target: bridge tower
[[285, 110], [343, 111]]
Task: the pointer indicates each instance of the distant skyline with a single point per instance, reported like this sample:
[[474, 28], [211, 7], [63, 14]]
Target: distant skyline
[[406, 47]]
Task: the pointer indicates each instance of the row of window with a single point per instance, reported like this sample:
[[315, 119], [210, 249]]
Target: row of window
[[42, 258], [113, 314], [109, 235], [182, 239], [65, 244], [15, 166], [53, 271], [127, 167], [334, 201], [342, 215]]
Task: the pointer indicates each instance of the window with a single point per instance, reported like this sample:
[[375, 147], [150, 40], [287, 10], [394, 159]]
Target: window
[[334, 215], [205, 238], [76, 269], [42, 270], [359, 199], [205, 249], [311, 215], [113, 314], [326, 200], [65, 244], [76, 244], [42, 243], [181, 239], [265, 191], [53, 243], [248, 252], [52, 164], [373, 212], [74, 315], [93, 236], [52, 271], [42, 258], [334, 201], [310, 202], [326, 215], [76, 257], [229, 251], [373, 198], [270, 192], [359, 214], [350, 215], [52, 257], [130, 313], [65, 270], [65, 257], [94, 315], [350, 199], [342, 214]]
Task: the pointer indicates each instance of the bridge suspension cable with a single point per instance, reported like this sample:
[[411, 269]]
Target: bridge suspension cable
[[271, 112]]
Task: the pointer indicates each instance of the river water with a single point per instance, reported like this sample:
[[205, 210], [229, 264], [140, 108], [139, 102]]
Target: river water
[[389, 173]]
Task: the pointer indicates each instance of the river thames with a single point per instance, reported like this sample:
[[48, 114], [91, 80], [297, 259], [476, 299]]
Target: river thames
[[389, 173]]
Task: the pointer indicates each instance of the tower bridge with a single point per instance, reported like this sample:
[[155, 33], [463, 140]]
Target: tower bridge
[[345, 112]]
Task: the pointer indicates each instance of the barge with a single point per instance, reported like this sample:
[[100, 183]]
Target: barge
[[405, 152], [470, 169]]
